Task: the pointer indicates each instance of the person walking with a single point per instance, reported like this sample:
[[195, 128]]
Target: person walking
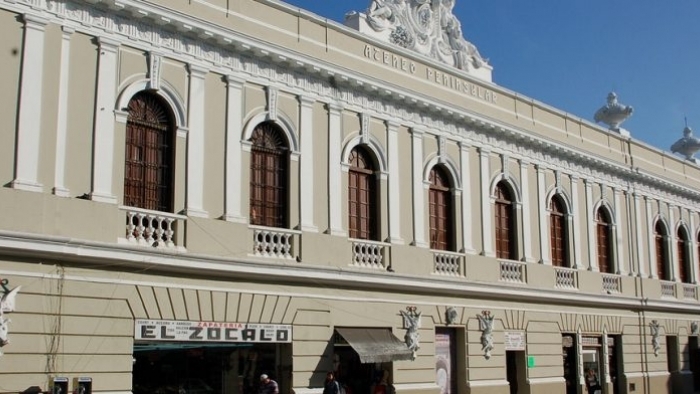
[[332, 386], [268, 386]]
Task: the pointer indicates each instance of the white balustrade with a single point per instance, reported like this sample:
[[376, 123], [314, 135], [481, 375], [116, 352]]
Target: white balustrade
[[368, 254], [273, 242], [566, 278], [690, 291], [447, 263], [612, 283], [512, 271], [152, 228], [668, 289]]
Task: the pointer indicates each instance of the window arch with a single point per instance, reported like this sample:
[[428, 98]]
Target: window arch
[[684, 255], [269, 163], [559, 234], [604, 234], [362, 196], [660, 236], [505, 222], [441, 209], [150, 153]]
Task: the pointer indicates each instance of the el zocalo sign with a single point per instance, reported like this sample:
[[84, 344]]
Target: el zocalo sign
[[199, 331]]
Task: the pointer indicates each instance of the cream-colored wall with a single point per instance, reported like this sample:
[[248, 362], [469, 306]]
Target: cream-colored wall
[[11, 44], [82, 85]]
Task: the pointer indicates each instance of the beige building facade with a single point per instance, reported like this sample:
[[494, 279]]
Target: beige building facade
[[199, 192]]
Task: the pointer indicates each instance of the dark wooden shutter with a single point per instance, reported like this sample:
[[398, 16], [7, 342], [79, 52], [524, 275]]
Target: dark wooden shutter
[[660, 240], [268, 177], [683, 256], [505, 223], [440, 211], [148, 170], [604, 236], [362, 196], [558, 233]]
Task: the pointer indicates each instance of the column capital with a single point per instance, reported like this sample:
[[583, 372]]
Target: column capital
[[197, 71], [306, 101], [464, 145], [334, 107], [392, 125], [108, 44], [233, 81], [35, 21], [417, 132]]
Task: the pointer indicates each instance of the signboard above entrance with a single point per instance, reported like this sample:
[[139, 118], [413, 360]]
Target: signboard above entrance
[[198, 331]]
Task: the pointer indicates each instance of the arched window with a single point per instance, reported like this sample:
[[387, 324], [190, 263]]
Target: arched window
[[558, 232], [605, 236], [684, 255], [269, 161], [660, 236], [149, 156], [362, 196], [505, 223], [441, 212]]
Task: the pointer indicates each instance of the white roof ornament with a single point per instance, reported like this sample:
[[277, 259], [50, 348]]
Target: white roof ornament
[[428, 27], [613, 114], [687, 146]]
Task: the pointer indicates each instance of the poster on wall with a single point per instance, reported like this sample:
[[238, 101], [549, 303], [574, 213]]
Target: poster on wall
[[200, 331], [443, 364]]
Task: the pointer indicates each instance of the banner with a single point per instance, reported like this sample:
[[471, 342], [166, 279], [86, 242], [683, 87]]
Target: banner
[[199, 331]]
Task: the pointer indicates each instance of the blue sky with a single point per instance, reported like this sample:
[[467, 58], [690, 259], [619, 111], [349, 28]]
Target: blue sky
[[571, 53]]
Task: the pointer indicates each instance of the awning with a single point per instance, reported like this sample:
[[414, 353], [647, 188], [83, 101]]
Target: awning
[[375, 345]]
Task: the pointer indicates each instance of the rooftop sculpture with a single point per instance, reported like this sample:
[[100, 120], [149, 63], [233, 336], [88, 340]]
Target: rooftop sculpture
[[613, 114], [688, 145], [428, 27]]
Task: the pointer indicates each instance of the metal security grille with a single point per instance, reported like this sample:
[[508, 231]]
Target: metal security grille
[[604, 234], [268, 177], [148, 172], [440, 207], [362, 195], [505, 223], [558, 232]]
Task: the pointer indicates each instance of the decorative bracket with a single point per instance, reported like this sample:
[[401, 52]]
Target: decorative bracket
[[486, 327], [411, 323]]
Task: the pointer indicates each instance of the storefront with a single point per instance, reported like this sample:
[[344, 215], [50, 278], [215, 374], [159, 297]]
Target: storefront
[[189, 357], [363, 357]]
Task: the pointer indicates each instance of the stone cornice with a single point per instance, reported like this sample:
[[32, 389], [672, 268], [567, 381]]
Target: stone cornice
[[228, 52]]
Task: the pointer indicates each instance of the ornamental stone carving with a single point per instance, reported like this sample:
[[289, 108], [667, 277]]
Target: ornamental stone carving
[[451, 315], [687, 146], [694, 329], [411, 323], [486, 327], [613, 114], [655, 341], [7, 305], [428, 27]]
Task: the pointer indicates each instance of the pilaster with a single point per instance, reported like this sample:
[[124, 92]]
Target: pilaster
[[394, 185], [59, 187], [306, 165], [30, 111], [592, 236], [234, 126], [486, 217], [467, 214], [195, 142], [545, 247], [103, 139], [418, 189], [574, 226], [335, 173]]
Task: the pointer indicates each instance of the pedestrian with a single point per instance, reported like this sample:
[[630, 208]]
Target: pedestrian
[[332, 386], [268, 386], [592, 382]]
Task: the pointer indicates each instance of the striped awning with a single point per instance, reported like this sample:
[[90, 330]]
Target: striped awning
[[375, 345]]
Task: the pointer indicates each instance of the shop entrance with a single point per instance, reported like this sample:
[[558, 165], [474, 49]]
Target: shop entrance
[[593, 368], [446, 375], [190, 358], [363, 359], [615, 363], [516, 365], [694, 356], [570, 363]]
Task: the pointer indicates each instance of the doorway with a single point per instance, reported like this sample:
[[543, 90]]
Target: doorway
[[694, 358], [446, 360], [516, 371], [570, 364], [615, 363]]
